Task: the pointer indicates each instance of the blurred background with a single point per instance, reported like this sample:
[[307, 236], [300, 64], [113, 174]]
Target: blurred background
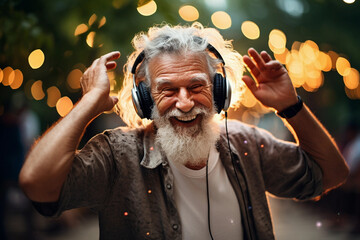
[[45, 46]]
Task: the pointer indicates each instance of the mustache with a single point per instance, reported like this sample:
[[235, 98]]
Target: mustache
[[195, 111]]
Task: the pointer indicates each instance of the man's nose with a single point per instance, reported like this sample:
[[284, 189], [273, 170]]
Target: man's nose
[[184, 102]]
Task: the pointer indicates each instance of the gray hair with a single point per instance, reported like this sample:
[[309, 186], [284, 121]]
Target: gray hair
[[179, 40], [173, 40]]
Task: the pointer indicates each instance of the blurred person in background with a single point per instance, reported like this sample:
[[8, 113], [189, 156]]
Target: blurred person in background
[[352, 185], [177, 171], [19, 127]]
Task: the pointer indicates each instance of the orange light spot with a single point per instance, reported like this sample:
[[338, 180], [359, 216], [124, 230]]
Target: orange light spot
[[73, 79], [80, 29], [1, 75], [92, 19], [64, 106], [221, 20], [102, 22], [148, 9], [18, 79], [54, 95], [8, 76], [36, 59], [37, 90], [250, 30], [189, 13], [342, 66], [277, 41], [351, 79]]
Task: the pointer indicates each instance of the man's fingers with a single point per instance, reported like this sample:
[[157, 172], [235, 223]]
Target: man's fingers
[[251, 66], [257, 58], [250, 83], [110, 65], [109, 57], [265, 56]]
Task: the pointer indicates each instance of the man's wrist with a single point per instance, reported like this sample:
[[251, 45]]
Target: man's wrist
[[292, 110]]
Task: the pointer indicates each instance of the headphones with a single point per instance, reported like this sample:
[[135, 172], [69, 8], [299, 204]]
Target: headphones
[[143, 102]]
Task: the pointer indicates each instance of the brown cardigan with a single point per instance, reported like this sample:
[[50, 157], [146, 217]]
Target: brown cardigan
[[124, 176]]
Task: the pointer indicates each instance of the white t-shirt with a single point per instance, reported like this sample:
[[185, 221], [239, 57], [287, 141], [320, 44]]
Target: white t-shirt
[[191, 201]]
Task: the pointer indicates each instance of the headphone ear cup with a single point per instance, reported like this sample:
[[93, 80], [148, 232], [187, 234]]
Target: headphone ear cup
[[219, 94], [145, 100]]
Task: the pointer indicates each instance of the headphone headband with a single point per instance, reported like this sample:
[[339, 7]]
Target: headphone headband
[[143, 102]]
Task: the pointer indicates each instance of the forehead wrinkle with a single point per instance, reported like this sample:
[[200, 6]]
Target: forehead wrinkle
[[196, 77]]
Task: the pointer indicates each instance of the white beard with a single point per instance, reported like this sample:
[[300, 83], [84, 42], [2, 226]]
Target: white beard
[[187, 145]]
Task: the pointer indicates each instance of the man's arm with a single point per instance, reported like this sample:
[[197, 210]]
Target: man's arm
[[274, 89], [49, 161]]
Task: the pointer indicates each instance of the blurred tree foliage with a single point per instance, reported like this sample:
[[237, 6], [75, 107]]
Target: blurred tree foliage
[[50, 25]]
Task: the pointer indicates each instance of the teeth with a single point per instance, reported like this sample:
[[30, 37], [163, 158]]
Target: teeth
[[186, 118]]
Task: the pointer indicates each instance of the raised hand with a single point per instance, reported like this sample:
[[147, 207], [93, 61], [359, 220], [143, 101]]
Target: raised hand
[[95, 82], [273, 86]]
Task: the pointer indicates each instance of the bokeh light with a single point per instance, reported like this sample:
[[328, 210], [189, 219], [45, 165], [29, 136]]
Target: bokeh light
[[282, 57], [250, 30], [147, 9], [334, 56], [249, 100], [349, 1], [351, 78], [90, 39], [36, 59], [189, 13], [80, 29], [277, 41], [1, 75], [54, 95], [323, 62], [221, 20], [342, 65], [8, 76], [309, 50], [18, 79], [102, 22], [73, 79], [92, 19], [37, 91], [64, 106]]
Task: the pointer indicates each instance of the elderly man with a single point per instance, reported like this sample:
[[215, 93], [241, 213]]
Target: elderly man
[[176, 172]]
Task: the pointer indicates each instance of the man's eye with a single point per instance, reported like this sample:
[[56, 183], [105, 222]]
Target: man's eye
[[196, 88], [168, 91]]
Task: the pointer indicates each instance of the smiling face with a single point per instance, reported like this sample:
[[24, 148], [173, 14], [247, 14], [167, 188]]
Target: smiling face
[[183, 110], [181, 82]]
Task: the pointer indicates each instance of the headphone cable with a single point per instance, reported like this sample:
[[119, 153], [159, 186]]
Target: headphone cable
[[208, 199]]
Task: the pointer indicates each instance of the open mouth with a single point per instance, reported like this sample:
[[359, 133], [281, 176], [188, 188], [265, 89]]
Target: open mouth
[[186, 121], [186, 118]]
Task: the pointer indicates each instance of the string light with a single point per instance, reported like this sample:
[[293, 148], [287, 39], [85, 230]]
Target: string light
[[250, 30], [18, 79], [8, 76], [54, 95], [80, 29], [221, 20], [90, 39], [189, 13], [36, 59], [147, 9], [92, 19], [64, 106]]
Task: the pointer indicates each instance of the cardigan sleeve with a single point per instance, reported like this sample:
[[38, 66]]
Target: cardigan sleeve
[[288, 171], [89, 181]]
